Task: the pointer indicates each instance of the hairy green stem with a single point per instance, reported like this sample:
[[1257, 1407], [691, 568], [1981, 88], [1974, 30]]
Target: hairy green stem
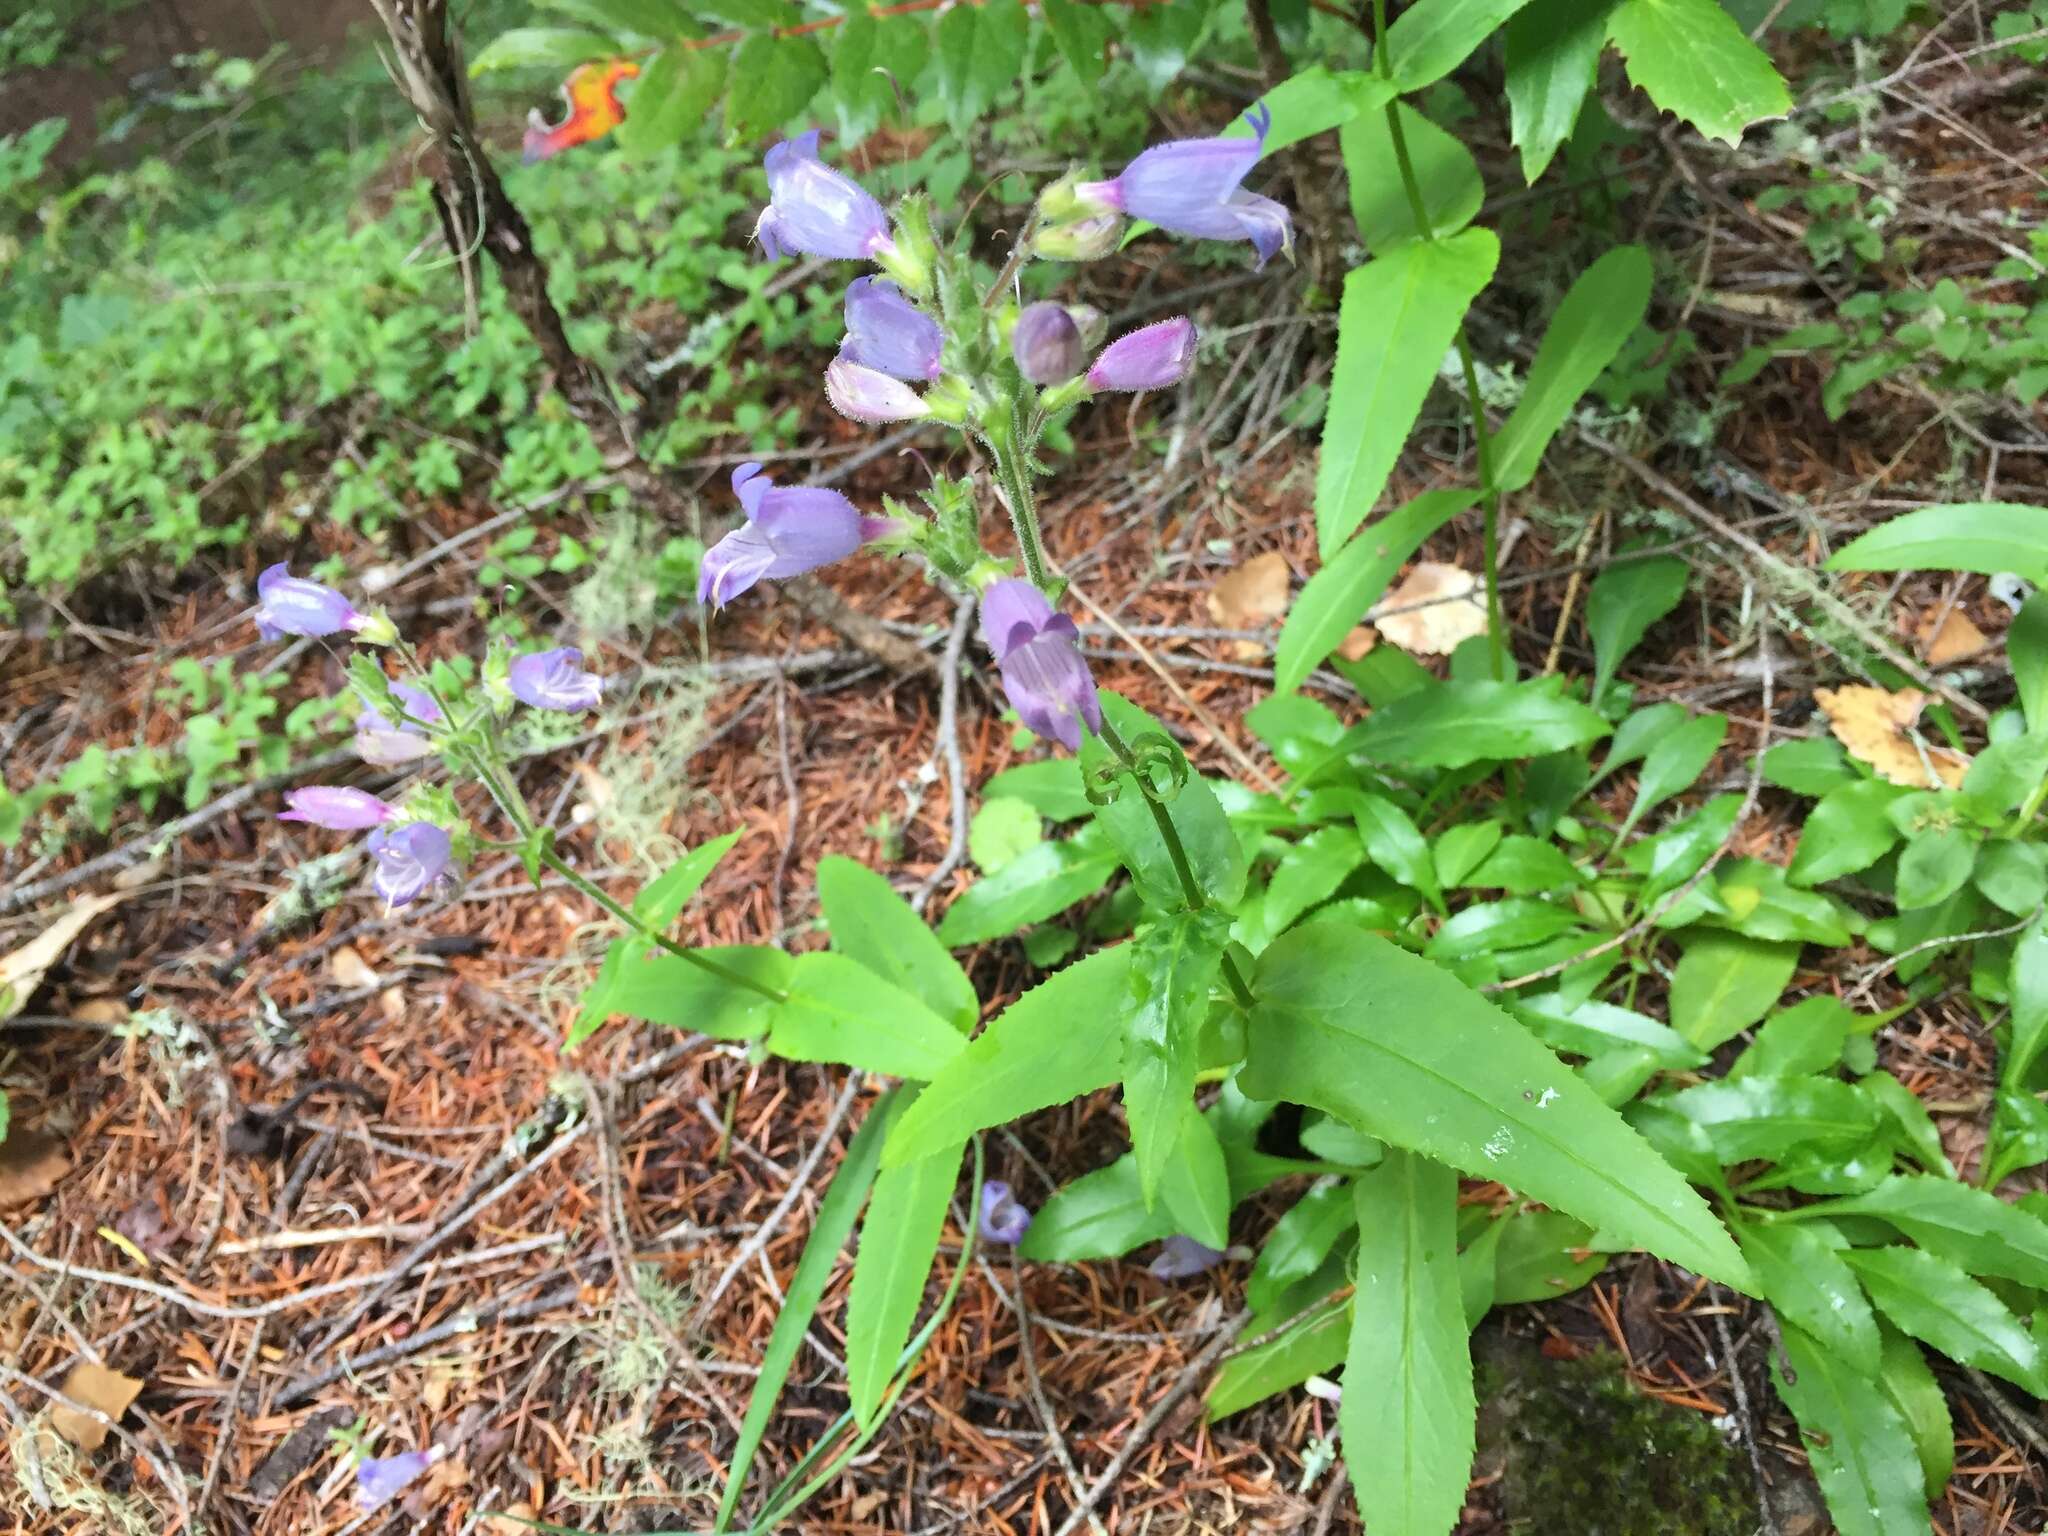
[[1015, 478]]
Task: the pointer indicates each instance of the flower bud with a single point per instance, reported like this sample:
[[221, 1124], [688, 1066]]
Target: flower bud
[[1088, 239], [869, 395], [1047, 345], [888, 333], [291, 605], [1004, 1218], [337, 808], [376, 628], [1152, 358]]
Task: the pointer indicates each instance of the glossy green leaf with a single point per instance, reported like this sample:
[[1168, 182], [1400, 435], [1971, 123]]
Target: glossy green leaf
[[1816, 765], [1301, 1240], [899, 1241], [2028, 991], [1335, 599], [1454, 725], [1312, 1347], [1195, 1185], [1756, 900], [1971, 1228], [1433, 37], [1489, 926], [978, 52], [1553, 52], [1460, 849], [2026, 647], [838, 1010], [1050, 786], [1725, 983], [870, 923], [1056, 1042], [1910, 1119], [1002, 829], [1975, 536], [1592, 1028], [1846, 831], [1754, 1117], [1941, 1306], [2004, 777], [1543, 1255], [1861, 1451], [1309, 873], [1398, 316], [656, 20], [548, 48], [1395, 845], [1675, 763], [1812, 1288], [1313, 101], [1641, 730], [1599, 313], [1173, 966], [1622, 604], [1911, 1386], [1039, 885], [1807, 1037], [1690, 58], [1409, 1435], [2012, 876], [1349, 1023], [1935, 865], [644, 982], [675, 92], [769, 81], [1445, 173], [1523, 866]]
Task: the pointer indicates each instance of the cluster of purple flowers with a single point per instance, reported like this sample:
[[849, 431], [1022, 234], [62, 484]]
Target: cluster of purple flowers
[[412, 854]]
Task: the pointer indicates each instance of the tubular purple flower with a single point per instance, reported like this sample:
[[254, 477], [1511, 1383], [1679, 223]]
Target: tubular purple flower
[[555, 680], [291, 605], [866, 394], [790, 529], [380, 1479], [1047, 681], [387, 743], [410, 859], [1191, 186], [1151, 358], [1047, 344], [816, 211], [888, 333], [1181, 1256], [337, 809], [1004, 1218]]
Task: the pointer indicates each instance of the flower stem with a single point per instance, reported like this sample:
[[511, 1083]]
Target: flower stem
[[1015, 480], [1176, 851]]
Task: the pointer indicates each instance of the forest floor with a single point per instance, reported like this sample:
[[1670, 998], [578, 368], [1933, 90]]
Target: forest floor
[[562, 1268]]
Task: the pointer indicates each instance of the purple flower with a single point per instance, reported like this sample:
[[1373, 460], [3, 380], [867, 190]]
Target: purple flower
[[291, 605], [337, 809], [814, 210], [555, 680], [888, 333], [790, 529], [869, 395], [380, 1479], [386, 744], [1151, 358], [1181, 1256], [1004, 1218], [409, 859], [1047, 344], [1191, 187], [1043, 673]]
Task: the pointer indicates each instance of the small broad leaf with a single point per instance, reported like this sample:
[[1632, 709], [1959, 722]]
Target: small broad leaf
[[675, 93], [870, 923], [770, 79], [1399, 314], [1622, 604], [1444, 170], [1313, 101], [1861, 1451], [838, 1010], [1935, 865], [550, 48], [1349, 1023], [1395, 845], [1543, 1255], [1309, 874], [1596, 317], [1767, 1117], [1038, 885], [1301, 1240], [1847, 830], [1030, 1056], [1691, 58], [1725, 983], [1553, 52], [1410, 1432], [1812, 1288], [1173, 966], [1975, 536], [1807, 1037], [2012, 876], [1676, 761], [1591, 1028], [1080, 32], [1938, 1304], [1453, 725], [1051, 786], [656, 20], [1433, 37]]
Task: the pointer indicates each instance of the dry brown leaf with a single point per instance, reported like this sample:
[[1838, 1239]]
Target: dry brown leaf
[[22, 971], [1955, 639], [351, 970], [106, 1011], [1357, 645], [391, 1002], [1873, 725], [1456, 611], [513, 1521], [96, 1387], [1252, 596], [31, 1163]]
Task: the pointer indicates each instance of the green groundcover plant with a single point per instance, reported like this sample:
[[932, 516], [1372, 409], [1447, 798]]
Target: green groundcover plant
[[1432, 942]]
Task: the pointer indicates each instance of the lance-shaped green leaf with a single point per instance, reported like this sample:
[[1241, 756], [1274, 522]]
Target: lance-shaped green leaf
[[644, 982], [899, 1241], [1846, 831], [2029, 993], [1433, 37], [1173, 966], [1987, 536], [1972, 1228], [1690, 57], [1724, 983], [870, 923], [1300, 1241], [1753, 1117], [553, 48], [1813, 1288], [1409, 1418], [1861, 1452], [1911, 1386], [1349, 1023], [676, 91], [1553, 51], [1398, 316], [1030, 888], [1938, 1304], [839, 1010], [1444, 171], [1453, 725]]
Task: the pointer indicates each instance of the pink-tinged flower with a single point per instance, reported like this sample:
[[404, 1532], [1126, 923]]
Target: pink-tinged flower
[[1047, 344], [869, 395], [555, 680], [388, 744], [1181, 1256], [380, 1479], [1191, 187], [410, 860], [888, 333], [814, 210], [1044, 676], [337, 809], [790, 529], [1004, 1218], [1152, 358], [291, 605]]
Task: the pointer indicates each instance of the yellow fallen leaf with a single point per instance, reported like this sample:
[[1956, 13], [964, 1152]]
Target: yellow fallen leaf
[[1455, 611], [1875, 727], [1954, 638], [22, 971], [96, 1387], [104, 1011], [127, 1246]]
